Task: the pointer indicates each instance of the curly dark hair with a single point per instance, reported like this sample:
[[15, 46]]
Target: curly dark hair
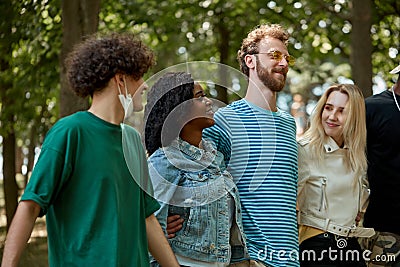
[[250, 44], [93, 62], [171, 90]]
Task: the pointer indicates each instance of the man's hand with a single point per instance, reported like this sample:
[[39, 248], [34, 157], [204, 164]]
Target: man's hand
[[174, 224]]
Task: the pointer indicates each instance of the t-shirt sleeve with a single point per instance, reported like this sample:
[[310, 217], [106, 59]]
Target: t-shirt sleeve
[[165, 178], [219, 135], [151, 205], [303, 169], [51, 171]]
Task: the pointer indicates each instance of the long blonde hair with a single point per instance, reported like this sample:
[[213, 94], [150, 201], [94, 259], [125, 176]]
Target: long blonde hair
[[354, 129]]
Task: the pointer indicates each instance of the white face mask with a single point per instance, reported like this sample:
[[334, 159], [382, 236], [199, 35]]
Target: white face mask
[[126, 101]]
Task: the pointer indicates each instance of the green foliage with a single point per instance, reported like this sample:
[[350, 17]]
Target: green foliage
[[181, 31], [385, 34], [189, 30], [32, 75]]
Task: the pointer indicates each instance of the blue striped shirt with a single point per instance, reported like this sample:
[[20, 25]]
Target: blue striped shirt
[[260, 151]]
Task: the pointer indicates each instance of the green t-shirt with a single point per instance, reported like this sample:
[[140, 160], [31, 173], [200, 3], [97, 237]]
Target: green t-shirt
[[95, 211]]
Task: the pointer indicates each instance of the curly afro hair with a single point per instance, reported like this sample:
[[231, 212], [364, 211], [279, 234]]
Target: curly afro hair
[[93, 62], [250, 44], [171, 90]]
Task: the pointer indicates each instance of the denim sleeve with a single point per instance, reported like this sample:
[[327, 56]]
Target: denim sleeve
[[165, 178]]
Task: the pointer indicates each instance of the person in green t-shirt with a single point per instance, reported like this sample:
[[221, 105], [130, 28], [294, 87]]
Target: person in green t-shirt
[[97, 208]]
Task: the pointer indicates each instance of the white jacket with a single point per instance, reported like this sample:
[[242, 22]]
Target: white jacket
[[330, 196]]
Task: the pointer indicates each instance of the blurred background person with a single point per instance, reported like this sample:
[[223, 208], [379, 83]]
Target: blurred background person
[[298, 111]]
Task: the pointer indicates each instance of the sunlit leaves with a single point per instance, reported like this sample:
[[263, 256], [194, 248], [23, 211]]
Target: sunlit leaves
[[320, 31], [36, 39]]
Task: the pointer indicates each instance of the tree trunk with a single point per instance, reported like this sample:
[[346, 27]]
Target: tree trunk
[[31, 152], [7, 119], [223, 48], [80, 18], [361, 45], [10, 184]]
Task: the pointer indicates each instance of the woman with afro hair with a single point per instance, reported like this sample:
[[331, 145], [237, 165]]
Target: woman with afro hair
[[96, 214], [189, 175]]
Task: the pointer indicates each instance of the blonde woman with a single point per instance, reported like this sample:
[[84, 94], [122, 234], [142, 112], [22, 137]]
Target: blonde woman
[[332, 188]]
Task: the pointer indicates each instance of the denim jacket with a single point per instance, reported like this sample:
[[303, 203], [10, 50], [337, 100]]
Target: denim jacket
[[193, 183]]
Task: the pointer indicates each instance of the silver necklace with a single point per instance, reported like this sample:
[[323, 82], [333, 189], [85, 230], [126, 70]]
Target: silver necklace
[[395, 99]]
